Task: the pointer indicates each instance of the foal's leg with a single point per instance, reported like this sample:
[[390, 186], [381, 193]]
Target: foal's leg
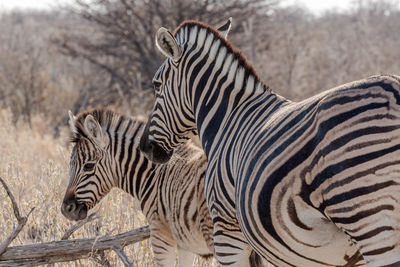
[[163, 245]]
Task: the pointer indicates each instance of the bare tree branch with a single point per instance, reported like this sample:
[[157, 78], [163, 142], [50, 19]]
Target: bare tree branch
[[120, 252], [21, 220], [78, 225], [122, 44], [69, 250]]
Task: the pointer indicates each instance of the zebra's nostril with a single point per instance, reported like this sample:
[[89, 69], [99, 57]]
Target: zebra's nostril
[[70, 207], [151, 146]]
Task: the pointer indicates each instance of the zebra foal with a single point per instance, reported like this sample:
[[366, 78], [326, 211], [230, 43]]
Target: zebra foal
[[106, 155], [309, 183]]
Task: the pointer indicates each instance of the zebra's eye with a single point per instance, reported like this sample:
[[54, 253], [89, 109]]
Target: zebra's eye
[[88, 167], [157, 86]]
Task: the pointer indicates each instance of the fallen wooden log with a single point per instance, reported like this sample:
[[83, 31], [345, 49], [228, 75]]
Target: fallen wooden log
[[68, 250]]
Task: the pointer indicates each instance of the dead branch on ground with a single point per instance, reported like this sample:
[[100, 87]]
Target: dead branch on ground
[[121, 254], [68, 250]]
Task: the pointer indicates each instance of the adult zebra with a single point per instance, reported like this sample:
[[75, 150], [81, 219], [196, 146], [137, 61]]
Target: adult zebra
[[106, 154], [311, 183]]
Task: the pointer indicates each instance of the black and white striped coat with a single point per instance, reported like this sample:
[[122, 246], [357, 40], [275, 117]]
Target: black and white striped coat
[[106, 155], [310, 183]]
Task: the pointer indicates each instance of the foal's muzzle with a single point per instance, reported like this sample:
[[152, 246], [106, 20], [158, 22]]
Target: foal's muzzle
[[73, 210]]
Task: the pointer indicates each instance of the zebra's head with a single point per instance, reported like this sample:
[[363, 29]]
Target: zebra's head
[[88, 167], [172, 121]]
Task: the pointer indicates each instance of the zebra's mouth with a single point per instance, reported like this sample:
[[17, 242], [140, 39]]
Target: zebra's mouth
[[155, 152], [73, 210], [152, 150]]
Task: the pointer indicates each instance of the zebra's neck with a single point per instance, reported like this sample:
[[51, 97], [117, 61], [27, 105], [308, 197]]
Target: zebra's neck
[[131, 168], [220, 81]]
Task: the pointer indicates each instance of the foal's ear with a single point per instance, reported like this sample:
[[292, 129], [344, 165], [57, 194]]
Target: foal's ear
[[225, 29], [71, 122], [167, 44], [94, 130]]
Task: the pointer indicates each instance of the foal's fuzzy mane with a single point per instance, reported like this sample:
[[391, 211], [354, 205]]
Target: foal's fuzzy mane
[[249, 69], [107, 119]]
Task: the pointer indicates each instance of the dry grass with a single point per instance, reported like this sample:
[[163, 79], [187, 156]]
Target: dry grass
[[35, 167]]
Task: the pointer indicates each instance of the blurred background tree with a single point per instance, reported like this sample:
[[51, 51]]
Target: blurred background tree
[[101, 52], [118, 39]]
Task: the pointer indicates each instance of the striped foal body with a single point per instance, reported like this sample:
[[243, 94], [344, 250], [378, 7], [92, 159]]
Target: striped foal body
[[310, 183], [171, 196]]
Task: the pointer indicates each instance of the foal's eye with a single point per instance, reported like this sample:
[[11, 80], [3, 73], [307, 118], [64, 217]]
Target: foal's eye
[[157, 86], [88, 167]]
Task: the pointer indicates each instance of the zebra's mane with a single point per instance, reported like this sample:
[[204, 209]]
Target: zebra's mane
[[107, 119], [190, 24]]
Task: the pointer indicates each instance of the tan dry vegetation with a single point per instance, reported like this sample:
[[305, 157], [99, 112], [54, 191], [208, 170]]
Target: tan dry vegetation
[[35, 167]]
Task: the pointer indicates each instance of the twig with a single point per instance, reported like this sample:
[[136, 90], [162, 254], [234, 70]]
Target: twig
[[120, 252], [79, 224], [101, 259], [21, 220]]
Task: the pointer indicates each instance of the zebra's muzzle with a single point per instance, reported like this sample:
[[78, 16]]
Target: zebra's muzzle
[[73, 210], [153, 151]]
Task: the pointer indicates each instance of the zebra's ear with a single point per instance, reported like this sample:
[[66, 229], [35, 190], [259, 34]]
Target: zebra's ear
[[94, 130], [71, 122], [167, 44], [225, 29]]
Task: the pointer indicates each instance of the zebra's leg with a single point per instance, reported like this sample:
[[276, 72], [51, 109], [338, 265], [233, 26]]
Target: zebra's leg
[[231, 247], [372, 223], [185, 258], [163, 245], [164, 252], [378, 243], [258, 261]]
